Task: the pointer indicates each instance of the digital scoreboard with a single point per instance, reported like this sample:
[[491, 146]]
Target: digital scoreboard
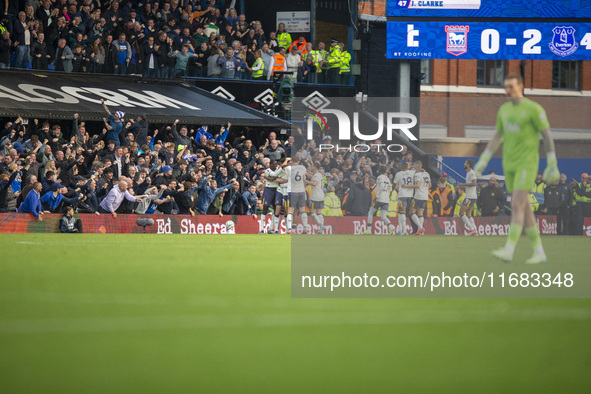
[[489, 40], [555, 9]]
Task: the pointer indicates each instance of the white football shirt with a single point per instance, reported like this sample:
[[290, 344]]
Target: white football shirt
[[317, 191], [298, 172], [383, 189], [404, 178], [422, 193], [471, 190]]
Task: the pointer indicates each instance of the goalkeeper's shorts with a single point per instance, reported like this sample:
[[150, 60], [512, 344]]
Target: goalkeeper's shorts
[[520, 179]]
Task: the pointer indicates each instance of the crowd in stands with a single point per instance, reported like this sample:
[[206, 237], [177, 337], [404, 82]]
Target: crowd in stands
[[168, 39], [125, 166]]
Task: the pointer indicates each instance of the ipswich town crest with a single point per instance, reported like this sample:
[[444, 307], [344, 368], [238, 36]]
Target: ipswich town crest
[[563, 43], [457, 39]]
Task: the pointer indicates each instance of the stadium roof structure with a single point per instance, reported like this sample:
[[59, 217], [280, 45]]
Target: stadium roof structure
[[52, 95]]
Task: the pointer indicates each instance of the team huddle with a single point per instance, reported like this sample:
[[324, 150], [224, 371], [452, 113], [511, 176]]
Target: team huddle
[[285, 193]]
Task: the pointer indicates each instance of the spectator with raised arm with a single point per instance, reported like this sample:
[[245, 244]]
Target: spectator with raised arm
[[113, 200]]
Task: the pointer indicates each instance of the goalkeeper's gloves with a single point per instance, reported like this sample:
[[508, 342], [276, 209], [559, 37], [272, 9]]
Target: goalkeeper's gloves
[[483, 162], [551, 173]]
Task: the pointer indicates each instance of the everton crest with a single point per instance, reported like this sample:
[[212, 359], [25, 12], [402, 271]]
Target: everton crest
[[457, 39], [563, 43]]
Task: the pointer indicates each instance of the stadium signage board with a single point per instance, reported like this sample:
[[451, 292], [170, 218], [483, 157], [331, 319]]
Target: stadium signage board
[[485, 40], [557, 9], [53, 95], [214, 224], [295, 21], [75, 94]]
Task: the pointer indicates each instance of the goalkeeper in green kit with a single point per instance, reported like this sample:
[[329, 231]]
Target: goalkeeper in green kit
[[519, 125]]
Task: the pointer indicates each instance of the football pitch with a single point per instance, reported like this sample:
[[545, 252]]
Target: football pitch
[[180, 313]]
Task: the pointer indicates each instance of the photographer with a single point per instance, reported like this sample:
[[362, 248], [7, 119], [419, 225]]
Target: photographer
[[70, 225]]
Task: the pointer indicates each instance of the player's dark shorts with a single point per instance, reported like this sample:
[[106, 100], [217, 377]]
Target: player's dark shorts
[[418, 204], [269, 196], [404, 201], [317, 205], [286, 200], [469, 202], [381, 205], [279, 199], [297, 199]]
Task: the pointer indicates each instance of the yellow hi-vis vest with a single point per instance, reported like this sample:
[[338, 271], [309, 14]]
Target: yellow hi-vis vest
[[332, 205], [392, 205], [533, 202], [258, 73], [284, 40], [316, 59], [538, 192], [345, 62], [459, 204], [579, 198], [334, 57]]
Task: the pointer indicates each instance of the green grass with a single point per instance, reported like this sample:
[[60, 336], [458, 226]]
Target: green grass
[[175, 314]]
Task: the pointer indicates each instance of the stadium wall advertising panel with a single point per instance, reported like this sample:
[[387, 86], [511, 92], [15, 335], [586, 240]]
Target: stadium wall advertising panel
[[59, 96], [182, 224]]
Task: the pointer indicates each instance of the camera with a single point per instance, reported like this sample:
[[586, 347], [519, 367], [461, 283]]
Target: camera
[[25, 121]]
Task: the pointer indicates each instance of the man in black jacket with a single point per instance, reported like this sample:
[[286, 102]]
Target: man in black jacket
[[5, 50], [150, 58], [359, 199], [39, 53], [140, 130], [566, 195], [491, 199]]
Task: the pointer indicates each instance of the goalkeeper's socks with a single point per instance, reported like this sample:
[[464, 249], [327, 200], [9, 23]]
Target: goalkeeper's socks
[[416, 220], [513, 237], [534, 238]]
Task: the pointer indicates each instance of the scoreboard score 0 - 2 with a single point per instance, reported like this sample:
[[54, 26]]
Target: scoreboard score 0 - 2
[[489, 40]]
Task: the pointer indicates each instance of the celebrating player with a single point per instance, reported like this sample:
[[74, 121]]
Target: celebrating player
[[422, 183], [317, 197], [403, 177], [269, 195], [467, 207], [297, 195], [519, 124], [382, 201], [282, 199]]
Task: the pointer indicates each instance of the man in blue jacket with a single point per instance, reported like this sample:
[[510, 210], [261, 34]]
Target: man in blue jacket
[[32, 203], [53, 200], [208, 191]]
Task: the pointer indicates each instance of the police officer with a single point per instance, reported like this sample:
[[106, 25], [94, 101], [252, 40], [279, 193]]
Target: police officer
[[345, 71], [333, 60], [283, 37]]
